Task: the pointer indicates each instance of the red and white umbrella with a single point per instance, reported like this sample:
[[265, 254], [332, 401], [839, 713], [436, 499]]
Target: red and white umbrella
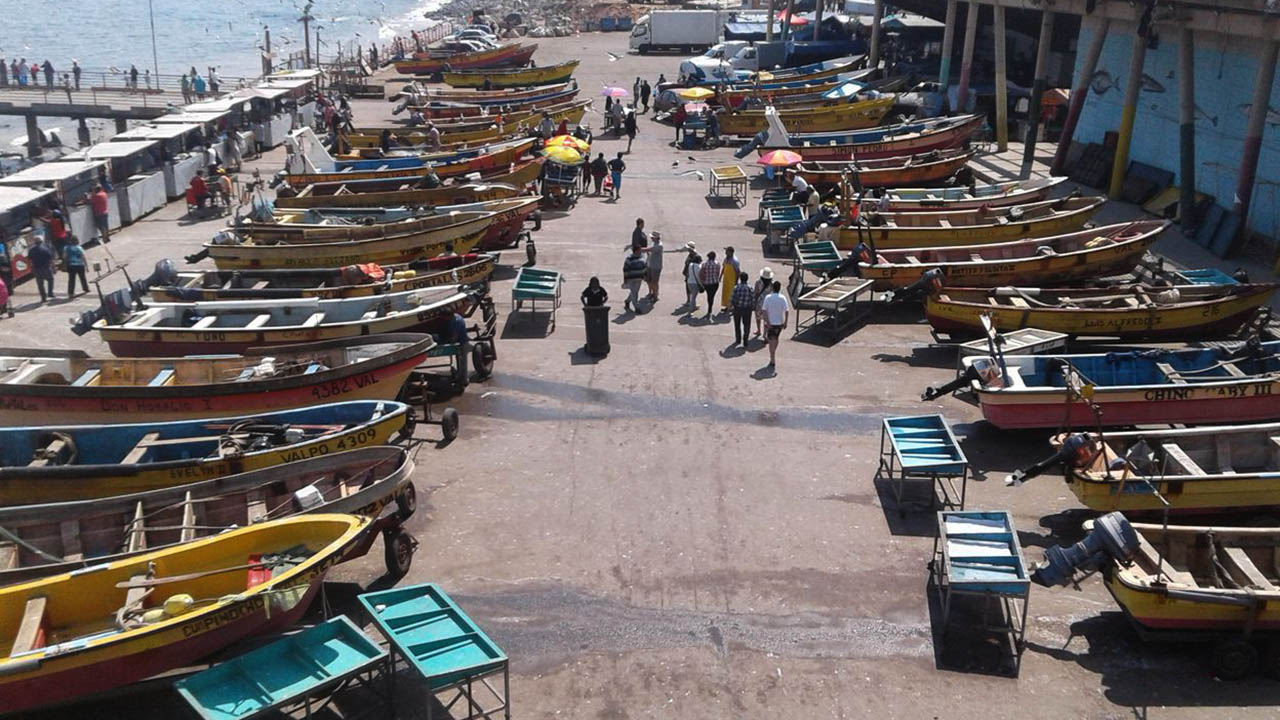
[[615, 92], [779, 158]]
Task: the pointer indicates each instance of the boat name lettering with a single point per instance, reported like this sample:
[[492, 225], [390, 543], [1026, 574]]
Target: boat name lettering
[[1167, 394], [15, 403], [211, 336], [195, 472], [357, 439], [145, 405], [343, 386], [223, 617]]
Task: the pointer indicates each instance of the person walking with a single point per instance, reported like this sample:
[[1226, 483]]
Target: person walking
[[599, 168], [638, 236], [655, 264], [677, 119], [48, 73], [186, 89], [634, 270], [776, 311], [709, 278], [635, 87], [743, 302], [66, 85], [616, 168], [214, 81], [74, 263], [645, 91], [133, 77], [762, 288], [75, 73], [692, 284], [629, 124], [729, 278], [197, 84], [101, 214], [41, 257]]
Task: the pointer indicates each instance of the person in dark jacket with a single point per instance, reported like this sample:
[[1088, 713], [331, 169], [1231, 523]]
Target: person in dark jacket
[[599, 168], [41, 257], [634, 271]]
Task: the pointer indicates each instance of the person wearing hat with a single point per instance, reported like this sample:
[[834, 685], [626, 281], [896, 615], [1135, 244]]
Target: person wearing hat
[[776, 311], [743, 300], [655, 251], [223, 186], [692, 270], [729, 278], [709, 277], [763, 285]]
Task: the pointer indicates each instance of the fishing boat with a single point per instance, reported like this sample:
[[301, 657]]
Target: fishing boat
[[514, 55], [837, 116], [735, 95], [1129, 388], [1129, 312], [76, 634], [59, 463], [812, 71], [450, 110], [1013, 192], [415, 92], [934, 166], [513, 173], [354, 223], [48, 387], [446, 163], [493, 189], [490, 128], [888, 141], [905, 229], [45, 540], [345, 282], [167, 329], [511, 78], [424, 238], [1196, 470], [305, 153], [1057, 260]]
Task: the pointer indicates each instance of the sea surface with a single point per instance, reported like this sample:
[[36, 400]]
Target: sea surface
[[111, 35]]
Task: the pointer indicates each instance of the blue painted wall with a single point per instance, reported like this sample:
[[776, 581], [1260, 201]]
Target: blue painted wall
[[1225, 69]]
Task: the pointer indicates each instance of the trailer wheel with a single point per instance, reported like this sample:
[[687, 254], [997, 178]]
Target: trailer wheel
[[1233, 659], [482, 358], [449, 423], [407, 502], [398, 547]]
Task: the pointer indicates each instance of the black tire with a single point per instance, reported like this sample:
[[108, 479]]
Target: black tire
[[410, 424], [1233, 659], [407, 502], [398, 550], [482, 358], [449, 423], [643, 50]]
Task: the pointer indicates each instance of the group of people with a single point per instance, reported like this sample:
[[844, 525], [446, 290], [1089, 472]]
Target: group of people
[[621, 118], [18, 73], [724, 281], [202, 192], [194, 86]]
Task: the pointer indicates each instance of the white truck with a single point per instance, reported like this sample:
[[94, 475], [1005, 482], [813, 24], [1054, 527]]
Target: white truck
[[684, 30], [719, 62]]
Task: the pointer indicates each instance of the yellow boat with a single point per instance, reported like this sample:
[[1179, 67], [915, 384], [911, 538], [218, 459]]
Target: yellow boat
[[519, 77], [981, 225], [829, 118], [44, 464], [513, 124], [501, 187], [1129, 312], [72, 635]]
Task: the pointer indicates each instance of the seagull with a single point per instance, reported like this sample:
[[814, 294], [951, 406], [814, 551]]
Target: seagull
[[612, 57]]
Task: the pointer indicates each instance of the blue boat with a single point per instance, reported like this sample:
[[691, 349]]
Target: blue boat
[[83, 462]]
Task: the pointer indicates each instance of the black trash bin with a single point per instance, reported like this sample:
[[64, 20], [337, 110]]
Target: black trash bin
[[597, 321]]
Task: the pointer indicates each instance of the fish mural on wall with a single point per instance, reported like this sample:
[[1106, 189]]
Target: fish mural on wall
[[1102, 82]]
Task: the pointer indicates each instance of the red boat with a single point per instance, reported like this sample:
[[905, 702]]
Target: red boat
[[514, 55], [452, 110], [505, 229], [888, 141]]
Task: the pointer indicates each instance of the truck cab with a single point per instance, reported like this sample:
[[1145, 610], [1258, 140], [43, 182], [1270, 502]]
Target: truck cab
[[714, 64]]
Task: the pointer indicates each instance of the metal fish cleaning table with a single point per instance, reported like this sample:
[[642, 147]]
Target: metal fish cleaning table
[[533, 286], [728, 181], [434, 637], [834, 305], [297, 674], [921, 447], [977, 553], [779, 221]]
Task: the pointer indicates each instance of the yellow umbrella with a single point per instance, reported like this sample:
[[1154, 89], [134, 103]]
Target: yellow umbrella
[[563, 155], [569, 141], [695, 93]]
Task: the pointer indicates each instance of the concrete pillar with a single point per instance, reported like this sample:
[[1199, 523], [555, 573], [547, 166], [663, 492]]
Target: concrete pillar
[[876, 16], [35, 142], [948, 39], [82, 132], [1187, 129], [1080, 91], [1253, 135], [817, 20], [773, 13], [1002, 89], [1037, 91], [966, 60], [786, 26], [1127, 114], [266, 50], [121, 125]]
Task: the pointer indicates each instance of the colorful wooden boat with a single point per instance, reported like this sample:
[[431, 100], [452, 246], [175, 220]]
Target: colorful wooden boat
[[416, 91], [932, 167], [60, 537], [48, 387], [493, 189], [351, 281], [305, 153], [468, 132], [734, 96], [1153, 386], [454, 163], [1197, 470], [1057, 260], [1130, 312], [511, 78], [837, 116], [983, 225], [76, 634], [1013, 192], [514, 55], [449, 110], [888, 141], [166, 329], [810, 72], [426, 238], [1189, 578], [60, 463], [512, 173]]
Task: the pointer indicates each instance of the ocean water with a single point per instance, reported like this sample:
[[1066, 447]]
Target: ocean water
[[111, 35]]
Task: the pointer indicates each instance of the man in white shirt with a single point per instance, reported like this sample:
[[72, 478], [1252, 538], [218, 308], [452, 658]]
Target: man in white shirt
[[776, 310], [799, 187]]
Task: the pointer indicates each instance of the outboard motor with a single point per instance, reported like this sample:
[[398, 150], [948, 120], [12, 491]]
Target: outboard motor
[[1074, 449], [929, 282], [1240, 276], [115, 307], [1112, 537], [962, 380]]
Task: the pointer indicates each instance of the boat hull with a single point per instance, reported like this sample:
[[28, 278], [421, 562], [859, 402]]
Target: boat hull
[[924, 173], [505, 56], [949, 137], [525, 77], [1245, 491], [852, 116], [498, 188], [446, 111], [1155, 611]]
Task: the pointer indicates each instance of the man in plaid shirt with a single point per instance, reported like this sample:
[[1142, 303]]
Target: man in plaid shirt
[[743, 303], [710, 278]]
